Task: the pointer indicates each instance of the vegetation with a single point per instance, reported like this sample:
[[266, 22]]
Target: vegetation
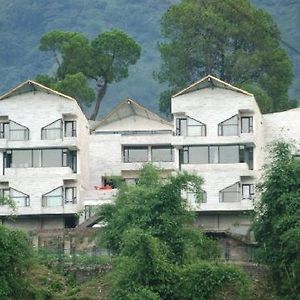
[[230, 39], [104, 60], [15, 259], [277, 224], [24, 22], [158, 253]]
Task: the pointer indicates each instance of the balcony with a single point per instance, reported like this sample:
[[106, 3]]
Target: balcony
[[98, 196]]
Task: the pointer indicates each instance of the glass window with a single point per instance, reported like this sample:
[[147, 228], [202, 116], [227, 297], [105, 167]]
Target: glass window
[[248, 191], [19, 198], [4, 130], [162, 153], [53, 198], [18, 132], [198, 155], [246, 124], [231, 193], [52, 131], [70, 194], [135, 154], [229, 154], [37, 158], [52, 157], [70, 128], [213, 154], [181, 126], [229, 127], [21, 159]]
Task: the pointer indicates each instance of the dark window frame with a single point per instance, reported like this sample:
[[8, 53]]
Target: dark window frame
[[251, 191], [46, 196], [26, 196], [249, 124], [73, 130], [24, 129], [74, 194]]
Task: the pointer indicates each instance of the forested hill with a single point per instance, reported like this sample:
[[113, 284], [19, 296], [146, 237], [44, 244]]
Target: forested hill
[[22, 22]]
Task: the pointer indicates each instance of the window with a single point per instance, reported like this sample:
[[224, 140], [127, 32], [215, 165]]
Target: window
[[17, 132], [229, 127], [231, 193], [191, 197], [190, 127], [161, 154], [4, 130], [246, 124], [52, 131], [53, 198], [70, 195], [248, 191], [20, 199], [218, 154], [135, 154], [40, 158], [70, 128], [229, 154], [4, 193]]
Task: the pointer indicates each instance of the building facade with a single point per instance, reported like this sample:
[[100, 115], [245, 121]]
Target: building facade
[[55, 164]]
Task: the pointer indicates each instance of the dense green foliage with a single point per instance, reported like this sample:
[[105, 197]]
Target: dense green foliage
[[158, 253], [230, 39], [277, 224], [15, 258], [23, 22], [104, 60]]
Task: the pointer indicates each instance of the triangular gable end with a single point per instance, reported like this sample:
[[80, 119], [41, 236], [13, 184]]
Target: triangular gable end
[[31, 86], [209, 81], [127, 108]]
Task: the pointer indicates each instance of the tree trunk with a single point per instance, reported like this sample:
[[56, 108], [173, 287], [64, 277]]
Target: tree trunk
[[100, 95]]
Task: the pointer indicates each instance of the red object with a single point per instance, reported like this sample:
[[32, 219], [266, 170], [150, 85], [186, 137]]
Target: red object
[[103, 187]]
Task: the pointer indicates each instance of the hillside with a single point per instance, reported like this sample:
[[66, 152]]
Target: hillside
[[22, 22]]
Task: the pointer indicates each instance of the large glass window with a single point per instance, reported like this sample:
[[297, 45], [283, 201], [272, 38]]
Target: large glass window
[[20, 199], [18, 132], [161, 153], [229, 154], [229, 127], [231, 193], [53, 198], [190, 127], [70, 128], [246, 124], [135, 154], [52, 158], [52, 131], [37, 158]]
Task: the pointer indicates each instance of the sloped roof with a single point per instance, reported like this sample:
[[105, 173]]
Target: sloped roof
[[31, 86], [209, 81], [127, 108]]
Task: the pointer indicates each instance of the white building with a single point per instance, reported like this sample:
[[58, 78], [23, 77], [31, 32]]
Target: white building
[[53, 167]]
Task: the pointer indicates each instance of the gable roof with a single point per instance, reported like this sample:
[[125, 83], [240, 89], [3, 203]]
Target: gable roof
[[127, 108], [209, 81], [31, 86]]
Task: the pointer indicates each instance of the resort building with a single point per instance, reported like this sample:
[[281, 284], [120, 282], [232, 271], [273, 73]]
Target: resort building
[[55, 164]]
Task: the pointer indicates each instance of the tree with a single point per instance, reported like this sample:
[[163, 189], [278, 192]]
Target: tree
[[83, 64], [230, 39], [277, 222], [157, 250], [15, 259]]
